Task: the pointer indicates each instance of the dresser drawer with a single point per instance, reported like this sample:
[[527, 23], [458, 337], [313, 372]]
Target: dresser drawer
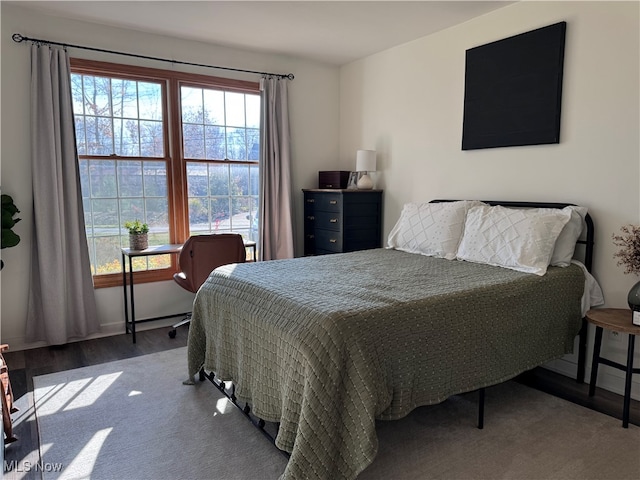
[[328, 220], [329, 202], [328, 240]]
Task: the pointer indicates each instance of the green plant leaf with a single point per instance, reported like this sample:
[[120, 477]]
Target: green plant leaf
[[9, 238]]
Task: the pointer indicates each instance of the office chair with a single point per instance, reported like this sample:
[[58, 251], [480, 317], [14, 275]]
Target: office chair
[[200, 255]]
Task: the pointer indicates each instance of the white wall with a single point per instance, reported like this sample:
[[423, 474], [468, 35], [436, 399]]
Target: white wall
[[314, 119], [407, 103]]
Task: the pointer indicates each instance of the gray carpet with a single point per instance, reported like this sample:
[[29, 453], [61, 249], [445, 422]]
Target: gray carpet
[[133, 419]]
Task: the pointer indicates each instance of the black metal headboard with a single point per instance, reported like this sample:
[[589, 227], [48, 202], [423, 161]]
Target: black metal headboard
[[586, 240]]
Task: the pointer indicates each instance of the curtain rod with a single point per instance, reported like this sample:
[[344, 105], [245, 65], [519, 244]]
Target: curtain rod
[[18, 38]]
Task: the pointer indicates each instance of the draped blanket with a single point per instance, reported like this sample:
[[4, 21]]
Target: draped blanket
[[326, 345]]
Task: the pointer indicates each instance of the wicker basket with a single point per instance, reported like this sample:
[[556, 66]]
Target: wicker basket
[[138, 241]]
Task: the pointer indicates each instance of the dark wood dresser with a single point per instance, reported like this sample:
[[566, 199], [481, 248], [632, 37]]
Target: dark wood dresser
[[337, 221]]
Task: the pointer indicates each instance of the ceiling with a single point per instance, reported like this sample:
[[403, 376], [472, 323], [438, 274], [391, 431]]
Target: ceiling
[[334, 32]]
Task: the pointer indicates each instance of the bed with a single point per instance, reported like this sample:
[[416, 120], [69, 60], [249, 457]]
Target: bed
[[323, 346]]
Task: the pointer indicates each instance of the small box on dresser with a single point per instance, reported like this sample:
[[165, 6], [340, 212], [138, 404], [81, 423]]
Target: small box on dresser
[[337, 221], [333, 179]]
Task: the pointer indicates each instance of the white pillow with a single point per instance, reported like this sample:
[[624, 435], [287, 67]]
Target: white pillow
[[566, 242], [519, 239], [431, 229]]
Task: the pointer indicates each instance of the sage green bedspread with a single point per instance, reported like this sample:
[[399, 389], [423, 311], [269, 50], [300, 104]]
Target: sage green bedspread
[[325, 345]]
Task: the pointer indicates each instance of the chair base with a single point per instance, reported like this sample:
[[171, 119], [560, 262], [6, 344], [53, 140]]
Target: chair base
[[185, 321]]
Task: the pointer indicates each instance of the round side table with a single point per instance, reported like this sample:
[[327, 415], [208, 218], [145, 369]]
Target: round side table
[[617, 320]]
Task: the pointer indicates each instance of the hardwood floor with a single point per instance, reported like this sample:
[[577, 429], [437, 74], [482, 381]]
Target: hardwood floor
[[24, 365]]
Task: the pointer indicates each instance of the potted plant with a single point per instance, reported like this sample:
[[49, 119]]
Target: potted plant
[[9, 237], [138, 234]]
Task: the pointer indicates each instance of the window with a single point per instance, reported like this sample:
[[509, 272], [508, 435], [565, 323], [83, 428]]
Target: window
[[221, 132], [192, 172]]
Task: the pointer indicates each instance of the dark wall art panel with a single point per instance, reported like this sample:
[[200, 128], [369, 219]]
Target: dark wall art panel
[[513, 90]]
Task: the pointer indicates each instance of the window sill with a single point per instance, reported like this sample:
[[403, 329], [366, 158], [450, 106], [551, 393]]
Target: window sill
[[147, 276]]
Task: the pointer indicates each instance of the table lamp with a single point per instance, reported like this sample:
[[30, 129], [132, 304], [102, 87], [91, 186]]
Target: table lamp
[[365, 163]]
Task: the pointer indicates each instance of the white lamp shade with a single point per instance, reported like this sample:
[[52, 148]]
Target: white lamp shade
[[366, 161]]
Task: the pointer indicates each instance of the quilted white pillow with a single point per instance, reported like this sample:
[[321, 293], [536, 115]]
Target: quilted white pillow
[[566, 242], [519, 239], [431, 229]]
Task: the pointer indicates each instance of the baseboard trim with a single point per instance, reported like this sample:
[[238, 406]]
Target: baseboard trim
[[610, 379], [106, 330]]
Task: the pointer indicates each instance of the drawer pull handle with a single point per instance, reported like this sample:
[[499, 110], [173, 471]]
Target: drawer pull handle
[[333, 202], [332, 240], [329, 185], [310, 217], [311, 200], [310, 236], [333, 220]]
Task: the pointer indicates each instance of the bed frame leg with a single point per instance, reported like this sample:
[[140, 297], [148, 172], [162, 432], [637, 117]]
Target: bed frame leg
[[582, 351], [481, 408]]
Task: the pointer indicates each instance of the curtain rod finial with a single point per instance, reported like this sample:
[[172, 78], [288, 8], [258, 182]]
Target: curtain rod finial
[[17, 37]]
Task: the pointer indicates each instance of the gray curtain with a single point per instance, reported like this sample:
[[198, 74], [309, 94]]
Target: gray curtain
[[275, 217], [62, 304]]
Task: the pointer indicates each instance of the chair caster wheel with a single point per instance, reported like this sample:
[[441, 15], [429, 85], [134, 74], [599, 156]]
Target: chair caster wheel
[[172, 333]]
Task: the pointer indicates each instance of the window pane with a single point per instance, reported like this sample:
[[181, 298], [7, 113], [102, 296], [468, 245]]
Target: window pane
[[117, 94], [239, 179], [150, 100], [83, 170], [77, 95], [253, 218], [213, 107], [105, 216], [236, 144], [220, 214], [99, 136], [130, 179], [240, 208], [130, 209], [80, 136], [254, 180], [191, 105], [157, 214], [253, 144], [215, 144], [151, 139], [193, 141], [126, 138], [155, 179], [219, 179], [129, 101], [234, 103], [107, 259], [96, 96], [199, 219], [197, 179], [253, 110], [102, 178]]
